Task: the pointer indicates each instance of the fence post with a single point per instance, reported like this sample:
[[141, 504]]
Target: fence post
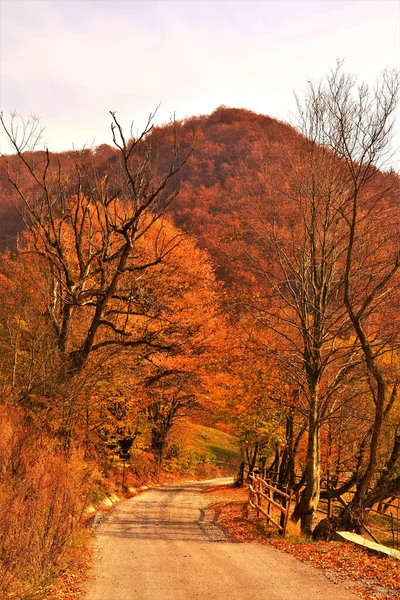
[[258, 483], [289, 500], [251, 491]]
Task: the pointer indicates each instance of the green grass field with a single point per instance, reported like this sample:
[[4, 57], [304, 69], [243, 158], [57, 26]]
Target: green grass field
[[210, 445]]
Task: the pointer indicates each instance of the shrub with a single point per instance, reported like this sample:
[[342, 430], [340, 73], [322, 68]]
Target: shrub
[[43, 493]]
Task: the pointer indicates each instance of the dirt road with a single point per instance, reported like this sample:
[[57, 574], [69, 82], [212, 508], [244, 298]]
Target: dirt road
[[162, 545]]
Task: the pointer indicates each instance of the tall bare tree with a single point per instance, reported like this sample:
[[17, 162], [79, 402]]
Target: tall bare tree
[[295, 243], [86, 231], [325, 261], [356, 123]]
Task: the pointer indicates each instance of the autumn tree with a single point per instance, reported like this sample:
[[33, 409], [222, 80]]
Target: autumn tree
[[27, 349], [176, 383], [85, 231]]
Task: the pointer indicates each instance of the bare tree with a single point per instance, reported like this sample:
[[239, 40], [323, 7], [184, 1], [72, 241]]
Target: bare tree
[[295, 245], [356, 123], [324, 275], [87, 232]]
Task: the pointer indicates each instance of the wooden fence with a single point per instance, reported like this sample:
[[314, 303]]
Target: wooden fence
[[264, 494], [264, 497]]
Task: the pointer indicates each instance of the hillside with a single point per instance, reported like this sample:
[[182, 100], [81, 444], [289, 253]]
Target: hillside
[[209, 446], [224, 141], [235, 150]]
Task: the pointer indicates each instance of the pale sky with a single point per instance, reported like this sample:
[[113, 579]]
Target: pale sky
[[71, 61]]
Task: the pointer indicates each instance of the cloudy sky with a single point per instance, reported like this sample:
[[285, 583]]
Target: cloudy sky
[[71, 61]]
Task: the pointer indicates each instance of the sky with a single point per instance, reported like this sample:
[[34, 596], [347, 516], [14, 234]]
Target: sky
[[72, 61]]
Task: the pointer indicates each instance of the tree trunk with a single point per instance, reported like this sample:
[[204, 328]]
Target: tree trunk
[[306, 508], [252, 457], [158, 443], [287, 468]]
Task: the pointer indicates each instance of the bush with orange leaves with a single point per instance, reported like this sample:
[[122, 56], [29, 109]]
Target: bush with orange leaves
[[43, 493]]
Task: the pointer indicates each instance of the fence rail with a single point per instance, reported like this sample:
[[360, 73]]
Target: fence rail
[[388, 509], [261, 489]]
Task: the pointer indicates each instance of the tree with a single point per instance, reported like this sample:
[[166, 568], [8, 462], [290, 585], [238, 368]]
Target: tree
[[174, 384], [85, 230], [27, 351], [316, 280], [294, 243], [356, 124]]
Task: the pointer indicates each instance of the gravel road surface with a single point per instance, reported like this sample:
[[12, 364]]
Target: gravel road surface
[[162, 545]]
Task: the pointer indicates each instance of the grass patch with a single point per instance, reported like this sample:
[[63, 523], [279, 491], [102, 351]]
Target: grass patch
[[216, 445], [202, 451]]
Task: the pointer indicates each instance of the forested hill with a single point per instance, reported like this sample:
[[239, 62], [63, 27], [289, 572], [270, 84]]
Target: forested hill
[[224, 142], [239, 158]]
